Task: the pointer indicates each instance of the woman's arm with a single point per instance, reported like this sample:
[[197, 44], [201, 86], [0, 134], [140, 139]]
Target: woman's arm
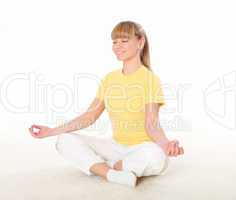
[[86, 119], [83, 121], [152, 123], [156, 133]]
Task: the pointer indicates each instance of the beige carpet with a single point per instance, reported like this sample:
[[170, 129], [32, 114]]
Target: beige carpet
[[31, 169]]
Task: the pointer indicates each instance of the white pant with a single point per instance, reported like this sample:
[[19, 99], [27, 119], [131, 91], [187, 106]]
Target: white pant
[[143, 159]]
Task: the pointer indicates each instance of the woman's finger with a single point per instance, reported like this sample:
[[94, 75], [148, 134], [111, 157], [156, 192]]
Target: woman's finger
[[181, 150], [168, 149], [36, 129], [176, 149], [172, 149], [31, 132], [176, 142], [36, 126]]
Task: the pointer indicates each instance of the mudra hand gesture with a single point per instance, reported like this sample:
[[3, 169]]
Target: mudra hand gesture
[[171, 148], [39, 131]]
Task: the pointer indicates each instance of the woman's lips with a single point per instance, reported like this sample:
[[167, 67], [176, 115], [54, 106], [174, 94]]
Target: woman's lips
[[120, 52]]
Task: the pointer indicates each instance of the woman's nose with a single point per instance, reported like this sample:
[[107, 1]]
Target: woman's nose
[[118, 47], [118, 44]]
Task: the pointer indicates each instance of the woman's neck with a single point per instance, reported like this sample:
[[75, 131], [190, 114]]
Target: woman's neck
[[130, 66]]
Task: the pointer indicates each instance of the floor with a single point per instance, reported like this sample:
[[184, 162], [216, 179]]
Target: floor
[[31, 169]]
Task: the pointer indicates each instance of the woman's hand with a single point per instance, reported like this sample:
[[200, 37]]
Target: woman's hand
[[171, 148], [174, 149], [41, 131]]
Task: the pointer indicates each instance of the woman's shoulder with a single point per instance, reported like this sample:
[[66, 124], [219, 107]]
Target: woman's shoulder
[[151, 74], [111, 74]]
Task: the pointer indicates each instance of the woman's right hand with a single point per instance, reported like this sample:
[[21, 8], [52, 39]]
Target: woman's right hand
[[41, 132]]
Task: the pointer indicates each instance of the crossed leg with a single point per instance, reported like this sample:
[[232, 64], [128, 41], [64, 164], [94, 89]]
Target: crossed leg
[[75, 149], [144, 161]]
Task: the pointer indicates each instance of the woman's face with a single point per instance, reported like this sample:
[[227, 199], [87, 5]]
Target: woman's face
[[125, 48]]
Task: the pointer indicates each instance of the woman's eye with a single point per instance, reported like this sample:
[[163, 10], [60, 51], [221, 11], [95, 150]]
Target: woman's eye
[[123, 41]]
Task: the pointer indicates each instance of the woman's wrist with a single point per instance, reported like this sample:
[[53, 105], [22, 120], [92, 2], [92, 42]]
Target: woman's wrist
[[59, 130], [162, 141], [54, 131]]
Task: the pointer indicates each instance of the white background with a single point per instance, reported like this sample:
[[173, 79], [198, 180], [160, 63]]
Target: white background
[[193, 48]]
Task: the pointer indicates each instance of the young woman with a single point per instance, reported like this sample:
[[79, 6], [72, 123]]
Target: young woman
[[132, 95]]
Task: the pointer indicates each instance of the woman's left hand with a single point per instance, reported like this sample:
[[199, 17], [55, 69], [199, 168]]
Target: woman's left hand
[[171, 148]]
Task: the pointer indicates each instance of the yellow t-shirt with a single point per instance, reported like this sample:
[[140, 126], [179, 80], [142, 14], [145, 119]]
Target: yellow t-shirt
[[125, 97]]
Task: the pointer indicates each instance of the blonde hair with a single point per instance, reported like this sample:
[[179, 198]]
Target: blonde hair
[[129, 29]]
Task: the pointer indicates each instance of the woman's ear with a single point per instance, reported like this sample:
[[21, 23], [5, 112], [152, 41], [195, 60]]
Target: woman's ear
[[142, 43]]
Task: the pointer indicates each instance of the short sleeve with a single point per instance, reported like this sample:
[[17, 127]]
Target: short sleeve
[[153, 90], [101, 89]]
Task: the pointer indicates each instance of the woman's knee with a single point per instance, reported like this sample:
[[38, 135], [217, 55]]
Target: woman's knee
[[67, 140], [157, 160], [141, 159], [157, 167]]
